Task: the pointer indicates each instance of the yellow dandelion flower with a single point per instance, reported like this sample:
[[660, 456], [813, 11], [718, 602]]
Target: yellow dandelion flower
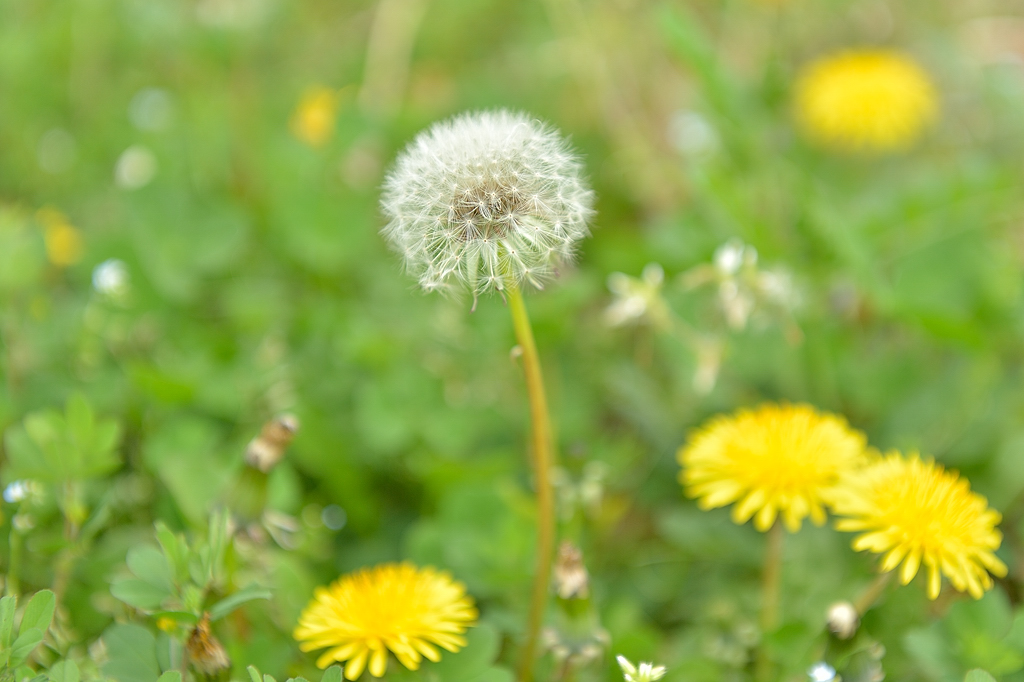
[[314, 117], [392, 606], [773, 460], [917, 512], [63, 240], [869, 100]]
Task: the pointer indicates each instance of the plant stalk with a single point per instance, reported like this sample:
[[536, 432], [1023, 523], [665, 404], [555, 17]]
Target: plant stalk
[[541, 451], [872, 592], [770, 582]]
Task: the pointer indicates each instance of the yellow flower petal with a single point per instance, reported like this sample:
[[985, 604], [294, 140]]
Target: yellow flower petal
[[379, 662], [355, 666]]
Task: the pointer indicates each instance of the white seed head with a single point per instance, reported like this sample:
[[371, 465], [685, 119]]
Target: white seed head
[[486, 201]]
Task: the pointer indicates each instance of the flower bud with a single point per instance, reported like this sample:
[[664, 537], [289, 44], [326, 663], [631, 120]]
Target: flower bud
[[206, 654], [842, 620]]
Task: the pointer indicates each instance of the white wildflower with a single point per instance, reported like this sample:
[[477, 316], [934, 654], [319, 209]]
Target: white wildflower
[[821, 672], [645, 672], [637, 300], [110, 278], [21, 490], [486, 201], [734, 254]]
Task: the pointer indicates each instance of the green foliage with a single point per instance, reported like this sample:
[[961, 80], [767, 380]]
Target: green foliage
[[131, 653], [18, 644], [51, 447], [176, 581]]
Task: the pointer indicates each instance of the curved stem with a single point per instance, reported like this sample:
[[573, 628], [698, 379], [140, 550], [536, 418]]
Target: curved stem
[[541, 451], [871, 594], [770, 595]]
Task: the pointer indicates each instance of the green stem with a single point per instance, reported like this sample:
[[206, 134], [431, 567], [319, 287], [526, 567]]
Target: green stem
[[770, 581], [13, 584], [872, 592], [541, 451]]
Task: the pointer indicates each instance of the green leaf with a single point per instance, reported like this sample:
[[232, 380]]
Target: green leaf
[[269, 678], [28, 639], [170, 676], [32, 449], [7, 606], [175, 549], [139, 594], [79, 416], [977, 675], [254, 674], [183, 617], [131, 653], [52, 447], [150, 565], [39, 612], [64, 671], [332, 674], [232, 602]]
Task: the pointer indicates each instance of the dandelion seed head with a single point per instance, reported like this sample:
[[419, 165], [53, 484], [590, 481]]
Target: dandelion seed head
[[486, 201]]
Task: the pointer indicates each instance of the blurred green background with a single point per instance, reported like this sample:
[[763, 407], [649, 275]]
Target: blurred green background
[[189, 238]]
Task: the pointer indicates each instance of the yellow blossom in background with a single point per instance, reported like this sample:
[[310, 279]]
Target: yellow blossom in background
[[775, 460], [870, 100], [917, 512], [63, 240], [396, 606], [314, 118]]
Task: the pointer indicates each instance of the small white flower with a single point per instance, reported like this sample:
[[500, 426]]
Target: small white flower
[[135, 168], [645, 672], [733, 255], [637, 299], [110, 278], [486, 201], [19, 491], [821, 672]]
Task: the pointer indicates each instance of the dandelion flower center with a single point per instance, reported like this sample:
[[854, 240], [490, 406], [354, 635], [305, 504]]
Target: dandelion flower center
[[398, 607], [486, 201], [917, 512], [776, 459], [872, 100]]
